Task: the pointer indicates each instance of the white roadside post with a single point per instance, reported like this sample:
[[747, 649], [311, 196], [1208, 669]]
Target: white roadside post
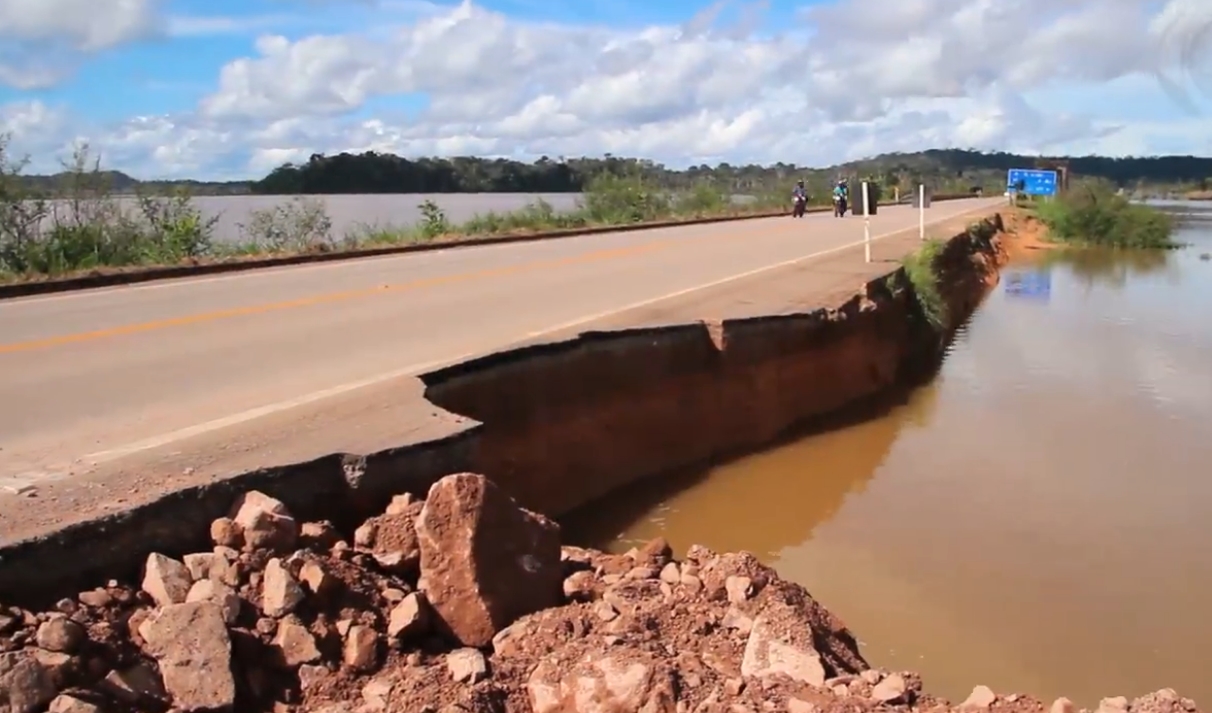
[[921, 211], [867, 220]]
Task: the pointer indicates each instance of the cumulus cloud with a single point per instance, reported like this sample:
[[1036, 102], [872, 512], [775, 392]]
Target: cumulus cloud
[[42, 40], [846, 79]]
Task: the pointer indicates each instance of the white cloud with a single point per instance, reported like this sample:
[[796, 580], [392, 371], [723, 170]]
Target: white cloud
[[850, 78], [41, 41]]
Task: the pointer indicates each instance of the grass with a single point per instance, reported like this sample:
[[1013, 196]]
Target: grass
[[86, 227], [922, 272], [1094, 217]]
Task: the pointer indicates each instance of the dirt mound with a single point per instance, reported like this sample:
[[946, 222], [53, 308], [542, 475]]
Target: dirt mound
[[463, 603]]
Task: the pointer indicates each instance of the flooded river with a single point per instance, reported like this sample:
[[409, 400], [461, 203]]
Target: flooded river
[[1038, 519]]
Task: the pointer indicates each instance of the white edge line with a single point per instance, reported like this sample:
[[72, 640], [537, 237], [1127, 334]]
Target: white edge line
[[414, 369]]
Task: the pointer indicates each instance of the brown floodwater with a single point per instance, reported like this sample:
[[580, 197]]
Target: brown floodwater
[[1037, 519]]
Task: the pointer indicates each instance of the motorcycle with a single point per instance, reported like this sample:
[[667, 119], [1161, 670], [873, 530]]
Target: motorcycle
[[799, 207], [839, 206]]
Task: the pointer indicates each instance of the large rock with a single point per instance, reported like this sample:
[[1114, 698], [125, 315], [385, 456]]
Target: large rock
[[602, 683], [484, 560], [191, 645], [26, 684], [280, 591], [773, 650], [166, 580], [264, 522]]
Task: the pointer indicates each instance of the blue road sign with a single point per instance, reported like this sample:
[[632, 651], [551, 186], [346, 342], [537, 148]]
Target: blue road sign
[[1033, 182], [1031, 285]]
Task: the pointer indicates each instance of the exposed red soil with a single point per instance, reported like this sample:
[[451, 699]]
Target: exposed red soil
[[463, 603]]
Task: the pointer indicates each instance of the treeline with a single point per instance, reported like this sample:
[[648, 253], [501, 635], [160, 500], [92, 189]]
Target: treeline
[[945, 170]]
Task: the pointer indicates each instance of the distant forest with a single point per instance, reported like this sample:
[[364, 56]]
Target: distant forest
[[946, 170]]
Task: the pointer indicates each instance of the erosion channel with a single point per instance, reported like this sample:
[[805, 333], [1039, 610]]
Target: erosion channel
[[1035, 518]]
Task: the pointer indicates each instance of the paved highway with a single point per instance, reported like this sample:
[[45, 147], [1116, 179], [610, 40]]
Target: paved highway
[[90, 377]]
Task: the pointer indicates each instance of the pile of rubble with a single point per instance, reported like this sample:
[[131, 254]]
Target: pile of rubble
[[462, 603]]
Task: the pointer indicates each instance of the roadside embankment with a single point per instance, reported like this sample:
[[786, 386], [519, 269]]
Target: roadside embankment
[[559, 424], [460, 603], [333, 586], [567, 422]]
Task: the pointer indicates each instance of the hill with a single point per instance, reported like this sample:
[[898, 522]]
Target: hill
[[121, 183]]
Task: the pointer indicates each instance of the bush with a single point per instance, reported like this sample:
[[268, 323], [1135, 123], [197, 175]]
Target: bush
[[921, 269], [83, 225], [1096, 216]]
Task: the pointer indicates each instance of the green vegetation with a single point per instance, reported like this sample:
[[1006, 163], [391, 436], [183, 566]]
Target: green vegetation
[[1093, 216], [921, 269], [81, 223], [946, 171]]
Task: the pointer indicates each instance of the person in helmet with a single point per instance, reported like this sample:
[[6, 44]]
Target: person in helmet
[[800, 197], [842, 189]]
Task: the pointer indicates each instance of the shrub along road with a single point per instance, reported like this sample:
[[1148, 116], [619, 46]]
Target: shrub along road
[[94, 377]]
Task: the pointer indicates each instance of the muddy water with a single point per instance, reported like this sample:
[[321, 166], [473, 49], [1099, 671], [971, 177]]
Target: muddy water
[[1037, 519]]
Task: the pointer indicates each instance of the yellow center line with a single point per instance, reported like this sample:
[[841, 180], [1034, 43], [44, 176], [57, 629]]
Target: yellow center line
[[333, 297]]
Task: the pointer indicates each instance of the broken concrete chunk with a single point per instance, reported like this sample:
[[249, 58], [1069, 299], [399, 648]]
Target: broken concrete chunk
[[738, 589], [264, 522], [408, 618], [981, 698], [191, 645], [71, 704], [166, 580], [60, 634], [467, 665], [225, 533], [578, 586], [134, 684], [361, 652], [26, 684], [890, 690], [295, 645], [479, 582], [376, 694], [316, 578], [280, 592], [199, 564], [209, 590], [602, 683], [769, 653]]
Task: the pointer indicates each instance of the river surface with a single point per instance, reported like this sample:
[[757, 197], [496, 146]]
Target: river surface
[[1038, 519]]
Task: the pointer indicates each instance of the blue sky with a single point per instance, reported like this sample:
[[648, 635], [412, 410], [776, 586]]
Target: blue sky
[[680, 81]]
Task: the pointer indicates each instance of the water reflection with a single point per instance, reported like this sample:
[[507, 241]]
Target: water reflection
[[1035, 519], [1112, 268]]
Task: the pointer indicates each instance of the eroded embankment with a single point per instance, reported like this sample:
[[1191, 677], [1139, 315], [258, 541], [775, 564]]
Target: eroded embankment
[[567, 422], [466, 603]]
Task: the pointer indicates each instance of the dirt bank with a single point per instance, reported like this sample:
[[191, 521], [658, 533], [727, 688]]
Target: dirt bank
[[559, 424], [568, 422], [461, 603], [1030, 235]]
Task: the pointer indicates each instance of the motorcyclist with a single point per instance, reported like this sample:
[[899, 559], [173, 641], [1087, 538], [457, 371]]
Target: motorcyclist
[[800, 195], [841, 197], [842, 190]]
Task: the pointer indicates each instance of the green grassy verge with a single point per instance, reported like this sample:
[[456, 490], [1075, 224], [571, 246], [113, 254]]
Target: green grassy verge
[[1090, 216], [87, 226], [922, 272]]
